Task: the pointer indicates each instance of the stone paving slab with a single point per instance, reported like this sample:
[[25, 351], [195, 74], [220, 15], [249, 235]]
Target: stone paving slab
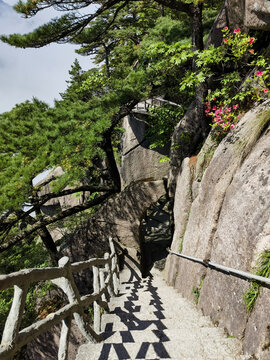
[[150, 320]]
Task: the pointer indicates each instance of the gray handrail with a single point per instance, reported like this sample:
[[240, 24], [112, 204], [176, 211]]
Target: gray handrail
[[105, 282], [229, 270]]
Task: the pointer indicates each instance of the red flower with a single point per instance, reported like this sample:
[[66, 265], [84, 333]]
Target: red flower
[[265, 90], [259, 73], [251, 40], [251, 51], [236, 31], [225, 40], [235, 106], [226, 28]]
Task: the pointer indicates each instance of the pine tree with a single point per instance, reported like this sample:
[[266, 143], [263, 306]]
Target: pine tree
[[78, 133]]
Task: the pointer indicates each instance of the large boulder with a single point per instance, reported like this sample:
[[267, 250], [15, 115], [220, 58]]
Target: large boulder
[[235, 12], [56, 204], [120, 217], [243, 14], [257, 14], [139, 163], [251, 14]]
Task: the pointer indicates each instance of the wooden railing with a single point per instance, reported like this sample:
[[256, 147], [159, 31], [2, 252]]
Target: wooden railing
[[105, 283]]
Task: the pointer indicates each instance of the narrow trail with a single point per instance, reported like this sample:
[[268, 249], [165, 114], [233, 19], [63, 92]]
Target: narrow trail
[[150, 320]]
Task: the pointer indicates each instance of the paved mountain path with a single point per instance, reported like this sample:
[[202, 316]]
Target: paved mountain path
[[150, 320]]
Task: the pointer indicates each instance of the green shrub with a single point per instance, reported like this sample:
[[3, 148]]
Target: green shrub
[[262, 269]]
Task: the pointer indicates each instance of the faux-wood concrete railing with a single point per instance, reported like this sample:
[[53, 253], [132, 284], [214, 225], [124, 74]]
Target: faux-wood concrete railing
[[105, 282]]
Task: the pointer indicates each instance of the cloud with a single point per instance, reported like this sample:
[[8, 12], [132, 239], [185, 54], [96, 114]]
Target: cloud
[[25, 73]]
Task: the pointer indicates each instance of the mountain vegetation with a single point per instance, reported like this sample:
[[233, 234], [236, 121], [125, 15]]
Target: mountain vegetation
[[141, 49], [82, 130]]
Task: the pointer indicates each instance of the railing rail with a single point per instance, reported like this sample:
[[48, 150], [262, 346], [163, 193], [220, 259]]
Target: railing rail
[[212, 265], [144, 106], [105, 282]]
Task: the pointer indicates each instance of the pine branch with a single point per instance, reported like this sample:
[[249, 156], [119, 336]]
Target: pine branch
[[175, 5], [50, 220], [5, 227], [40, 200]]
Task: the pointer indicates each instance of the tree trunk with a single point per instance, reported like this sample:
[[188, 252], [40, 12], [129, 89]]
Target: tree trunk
[[197, 42], [111, 163], [195, 15], [107, 64], [195, 124], [48, 242]]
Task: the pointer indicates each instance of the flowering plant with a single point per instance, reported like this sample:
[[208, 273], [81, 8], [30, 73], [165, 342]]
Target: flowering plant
[[226, 104]]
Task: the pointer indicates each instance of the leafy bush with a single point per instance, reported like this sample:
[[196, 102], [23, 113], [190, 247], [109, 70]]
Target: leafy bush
[[21, 256], [162, 121]]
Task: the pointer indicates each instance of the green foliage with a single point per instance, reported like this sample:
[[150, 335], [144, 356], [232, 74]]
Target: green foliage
[[161, 123], [22, 256], [43, 35], [262, 269], [196, 291], [168, 30], [235, 94], [26, 139]]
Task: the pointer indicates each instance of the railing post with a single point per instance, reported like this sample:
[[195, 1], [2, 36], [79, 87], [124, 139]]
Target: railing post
[[63, 343], [67, 284], [14, 318], [96, 305], [114, 276], [108, 270], [102, 284], [114, 267], [105, 280]]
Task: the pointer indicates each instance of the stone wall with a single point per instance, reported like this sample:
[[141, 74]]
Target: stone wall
[[222, 213]]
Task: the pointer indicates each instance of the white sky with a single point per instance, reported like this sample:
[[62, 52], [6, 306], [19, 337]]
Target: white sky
[[25, 73]]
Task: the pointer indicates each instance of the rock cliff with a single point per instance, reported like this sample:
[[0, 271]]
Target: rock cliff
[[221, 212]]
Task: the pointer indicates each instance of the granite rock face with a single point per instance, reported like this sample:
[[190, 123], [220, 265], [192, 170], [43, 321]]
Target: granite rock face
[[242, 220], [228, 223], [139, 163], [45, 347], [251, 14], [182, 203], [257, 332]]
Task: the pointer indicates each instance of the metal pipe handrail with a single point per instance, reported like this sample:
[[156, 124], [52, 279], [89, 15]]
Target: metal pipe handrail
[[212, 265]]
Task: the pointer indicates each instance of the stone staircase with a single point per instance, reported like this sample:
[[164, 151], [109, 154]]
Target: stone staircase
[[150, 320]]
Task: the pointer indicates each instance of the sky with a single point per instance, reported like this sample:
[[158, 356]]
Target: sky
[[27, 73]]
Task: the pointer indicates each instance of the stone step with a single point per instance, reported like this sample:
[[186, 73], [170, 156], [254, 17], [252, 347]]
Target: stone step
[[146, 347], [150, 320]]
